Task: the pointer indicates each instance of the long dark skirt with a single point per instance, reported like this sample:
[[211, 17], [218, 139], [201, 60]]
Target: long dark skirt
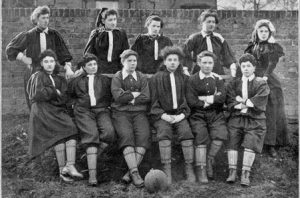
[[277, 133], [48, 124]]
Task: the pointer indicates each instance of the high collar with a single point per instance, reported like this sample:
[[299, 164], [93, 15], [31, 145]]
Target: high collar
[[125, 74], [202, 75], [42, 31], [204, 34], [250, 78]]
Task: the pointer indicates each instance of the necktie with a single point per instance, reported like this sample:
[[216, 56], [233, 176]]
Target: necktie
[[208, 43], [245, 92], [43, 41], [53, 83], [155, 49], [173, 88], [91, 90], [110, 45]]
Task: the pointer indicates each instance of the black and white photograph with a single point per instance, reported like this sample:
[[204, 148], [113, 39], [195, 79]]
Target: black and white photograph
[[149, 98]]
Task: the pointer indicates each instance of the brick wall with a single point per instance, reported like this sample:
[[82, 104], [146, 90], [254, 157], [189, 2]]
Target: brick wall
[[76, 24]]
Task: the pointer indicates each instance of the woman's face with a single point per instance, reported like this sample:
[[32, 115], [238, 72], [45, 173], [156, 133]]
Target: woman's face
[[209, 24], [172, 62], [91, 67], [206, 64], [154, 28], [43, 21], [263, 33], [247, 69], [48, 63], [130, 63], [110, 22]]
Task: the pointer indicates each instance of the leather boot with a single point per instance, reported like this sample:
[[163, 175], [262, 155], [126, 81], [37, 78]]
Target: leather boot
[[232, 176], [60, 152], [188, 154], [136, 179], [189, 171], [245, 181], [139, 155], [70, 169]]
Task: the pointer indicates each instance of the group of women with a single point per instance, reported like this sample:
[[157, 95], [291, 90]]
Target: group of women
[[103, 107]]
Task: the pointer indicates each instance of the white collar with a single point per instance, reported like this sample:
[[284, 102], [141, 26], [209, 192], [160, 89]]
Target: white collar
[[250, 78], [204, 34], [202, 75], [125, 74]]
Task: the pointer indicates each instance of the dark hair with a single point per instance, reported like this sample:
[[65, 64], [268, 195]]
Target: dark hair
[[207, 53], [40, 10], [208, 13], [165, 52], [254, 36], [50, 53], [103, 14], [154, 18], [87, 58], [248, 57], [126, 53]]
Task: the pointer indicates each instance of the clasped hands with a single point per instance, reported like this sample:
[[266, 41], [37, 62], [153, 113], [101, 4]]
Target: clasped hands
[[172, 119]]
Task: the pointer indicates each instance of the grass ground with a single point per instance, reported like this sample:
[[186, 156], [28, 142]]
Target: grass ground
[[39, 178]]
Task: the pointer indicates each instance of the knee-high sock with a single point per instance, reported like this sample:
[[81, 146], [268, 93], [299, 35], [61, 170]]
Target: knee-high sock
[[139, 154], [214, 148], [188, 151], [60, 152], [91, 153], [129, 155], [232, 159], [165, 151], [248, 159], [71, 151], [200, 154]]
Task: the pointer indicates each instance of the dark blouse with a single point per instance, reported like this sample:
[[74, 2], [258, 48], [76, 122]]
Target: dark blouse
[[122, 92], [144, 46], [98, 44], [41, 89], [258, 92], [205, 87], [79, 91], [161, 94], [267, 56], [30, 41], [196, 43]]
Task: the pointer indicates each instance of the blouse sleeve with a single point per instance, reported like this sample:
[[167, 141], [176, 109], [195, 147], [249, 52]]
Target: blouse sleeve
[[137, 44], [188, 48], [144, 96], [63, 54], [260, 99], [227, 55], [89, 48], [156, 110], [120, 95], [276, 52], [18, 44], [192, 96], [231, 95], [38, 90], [125, 44]]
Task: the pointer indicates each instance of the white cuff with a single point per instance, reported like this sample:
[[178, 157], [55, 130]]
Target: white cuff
[[249, 103], [210, 99], [202, 98], [239, 106], [20, 56]]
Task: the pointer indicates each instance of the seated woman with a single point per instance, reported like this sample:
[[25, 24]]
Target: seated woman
[[49, 124], [169, 110], [131, 96], [92, 96], [247, 99]]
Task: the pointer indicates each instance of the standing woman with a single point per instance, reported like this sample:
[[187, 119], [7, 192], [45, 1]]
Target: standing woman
[[35, 41], [148, 45], [267, 53], [211, 41], [49, 123], [107, 42]]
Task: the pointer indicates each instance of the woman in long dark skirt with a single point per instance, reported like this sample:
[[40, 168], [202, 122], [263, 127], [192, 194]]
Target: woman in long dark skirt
[[49, 123], [267, 53]]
